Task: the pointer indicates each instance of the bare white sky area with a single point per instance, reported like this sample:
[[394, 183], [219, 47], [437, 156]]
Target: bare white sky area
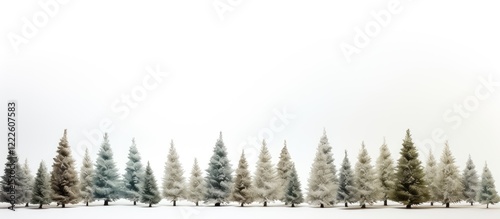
[[272, 69]]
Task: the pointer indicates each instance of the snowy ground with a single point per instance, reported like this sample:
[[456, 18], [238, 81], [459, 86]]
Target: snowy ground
[[186, 210]]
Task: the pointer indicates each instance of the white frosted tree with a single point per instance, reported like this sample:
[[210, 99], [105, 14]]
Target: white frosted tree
[[149, 192], [106, 179], [242, 191], [29, 180], [133, 174], [385, 172], [174, 187], [347, 192], [218, 180], [322, 187], [448, 179], [266, 185], [470, 180], [487, 193], [64, 178], [431, 171], [87, 179], [196, 189], [365, 179], [328, 151], [13, 180], [41, 187], [293, 193], [284, 168]]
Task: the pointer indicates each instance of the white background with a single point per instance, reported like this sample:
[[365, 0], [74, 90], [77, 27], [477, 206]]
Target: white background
[[234, 74]]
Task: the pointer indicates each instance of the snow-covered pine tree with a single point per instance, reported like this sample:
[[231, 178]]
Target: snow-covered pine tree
[[470, 180], [265, 180], [487, 193], [12, 164], [242, 191], [322, 188], [448, 179], [106, 178], [365, 179], [431, 172], [174, 187], [218, 179], [29, 181], [87, 179], [196, 189], [293, 191], [149, 193], [284, 168], [410, 188], [385, 172], [328, 151], [133, 174], [347, 192], [41, 187], [64, 178]]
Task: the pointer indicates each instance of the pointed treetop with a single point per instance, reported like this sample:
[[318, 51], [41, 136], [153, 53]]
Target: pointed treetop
[[171, 143], [264, 143], [133, 141], [65, 132], [363, 145], [220, 135], [284, 143]]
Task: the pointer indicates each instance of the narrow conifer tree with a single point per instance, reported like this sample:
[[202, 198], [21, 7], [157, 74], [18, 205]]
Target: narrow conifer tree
[[196, 189], [13, 177], [242, 191], [385, 172], [347, 192], [487, 191], [219, 180], [133, 174], [149, 193], [29, 182], [106, 178], [470, 180], [284, 168], [174, 187], [366, 181], [431, 178], [41, 187], [87, 179], [449, 180], [265, 181], [293, 191]]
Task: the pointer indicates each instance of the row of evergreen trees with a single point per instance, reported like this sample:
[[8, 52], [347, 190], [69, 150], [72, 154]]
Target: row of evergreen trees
[[407, 182]]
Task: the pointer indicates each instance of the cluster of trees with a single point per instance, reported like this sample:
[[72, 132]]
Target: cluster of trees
[[406, 181]]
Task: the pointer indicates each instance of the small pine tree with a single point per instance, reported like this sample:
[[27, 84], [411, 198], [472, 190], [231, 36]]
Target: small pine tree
[[87, 179], [487, 193], [328, 151], [149, 189], [242, 191], [196, 184], [347, 192], [106, 178], [29, 181], [13, 173], [284, 168], [41, 187], [64, 178], [293, 191], [133, 174], [470, 180], [449, 179], [265, 181], [385, 172], [431, 178], [365, 178], [219, 179], [174, 187], [411, 188]]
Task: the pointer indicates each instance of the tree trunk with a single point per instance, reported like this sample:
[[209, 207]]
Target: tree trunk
[[432, 203], [472, 203], [363, 206], [408, 206], [87, 204], [322, 205], [27, 204], [345, 204], [63, 205], [448, 205], [286, 203], [385, 202], [487, 205], [40, 205], [196, 203], [135, 202], [217, 204], [175, 203], [150, 205], [241, 204], [265, 204], [105, 202], [293, 204]]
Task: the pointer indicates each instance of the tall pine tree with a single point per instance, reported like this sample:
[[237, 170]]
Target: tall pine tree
[[328, 151], [64, 178], [196, 189], [347, 192], [265, 181], [284, 168], [87, 179], [448, 179], [242, 191], [487, 192], [29, 180], [41, 187], [106, 178], [149, 193], [410, 188], [174, 187], [431, 172], [293, 193], [470, 180], [385, 172], [13, 177], [133, 174], [219, 179], [366, 180]]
